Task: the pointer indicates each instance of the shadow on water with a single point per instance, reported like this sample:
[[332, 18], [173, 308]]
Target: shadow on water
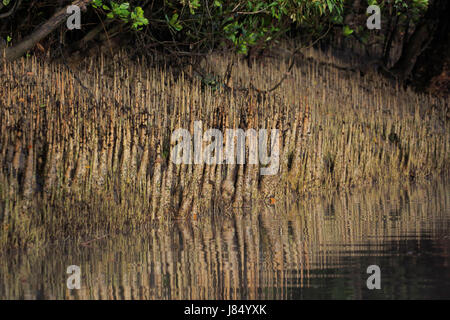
[[316, 248]]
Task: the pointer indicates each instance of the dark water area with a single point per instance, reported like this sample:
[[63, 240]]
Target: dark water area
[[316, 248]]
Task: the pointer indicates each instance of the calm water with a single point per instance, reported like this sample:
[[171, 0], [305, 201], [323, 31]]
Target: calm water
[[315, 248]]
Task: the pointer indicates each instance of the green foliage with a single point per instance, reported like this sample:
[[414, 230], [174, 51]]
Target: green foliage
[[174, 22], [247, 23], [123, 12], [137, 16], [346, 31], [402, 13], [243, 24], [412, 9], [203, 25]]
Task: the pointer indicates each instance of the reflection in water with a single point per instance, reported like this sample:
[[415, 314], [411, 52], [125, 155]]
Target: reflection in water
[[317, 248]]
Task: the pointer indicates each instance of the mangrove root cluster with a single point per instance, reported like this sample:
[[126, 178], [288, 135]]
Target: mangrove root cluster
[[104, 132]]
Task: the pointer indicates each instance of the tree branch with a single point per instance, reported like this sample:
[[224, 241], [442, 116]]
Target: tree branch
[[12, 10], [15, 52]]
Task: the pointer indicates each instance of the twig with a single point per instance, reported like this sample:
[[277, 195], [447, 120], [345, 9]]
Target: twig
[[86, 243]]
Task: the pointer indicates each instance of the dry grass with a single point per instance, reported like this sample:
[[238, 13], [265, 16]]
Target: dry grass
[[107, 149]]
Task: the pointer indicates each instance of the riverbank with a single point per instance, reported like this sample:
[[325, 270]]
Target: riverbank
[[89, 149]]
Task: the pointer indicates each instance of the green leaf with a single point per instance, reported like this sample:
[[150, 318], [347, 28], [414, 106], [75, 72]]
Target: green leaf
[[97, 3], [124, 6], [330, 5], [174, 19], [346, 30], [174, 23]]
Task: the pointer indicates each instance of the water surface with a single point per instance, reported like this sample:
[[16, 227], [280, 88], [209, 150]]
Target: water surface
[[318, 247]]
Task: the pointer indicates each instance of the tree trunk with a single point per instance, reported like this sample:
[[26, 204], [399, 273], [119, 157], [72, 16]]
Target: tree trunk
[[434, 62], [424, 48], [14, 52], [389, 39]]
